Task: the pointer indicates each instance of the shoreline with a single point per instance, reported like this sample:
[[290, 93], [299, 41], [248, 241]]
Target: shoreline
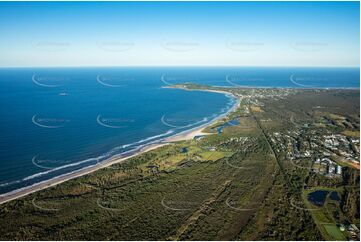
[[182, 136], [191, 133], [7, 197]]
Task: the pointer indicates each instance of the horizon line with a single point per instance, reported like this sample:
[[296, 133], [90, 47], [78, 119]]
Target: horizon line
[[170, 66]]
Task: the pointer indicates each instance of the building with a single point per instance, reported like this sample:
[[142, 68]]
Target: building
[[339, 170]]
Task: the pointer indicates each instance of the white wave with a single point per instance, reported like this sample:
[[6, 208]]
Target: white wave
[[299, 84], [72, 172], [163, 120], [35, 184], [105, 155], [109, 155], [146, 139], [10, 183], [154, 137]]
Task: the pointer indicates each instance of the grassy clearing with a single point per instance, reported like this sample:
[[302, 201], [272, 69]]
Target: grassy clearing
[[256, 109], [334, 232], [351, 133], [228, 186], [150, 197], [324, 216]]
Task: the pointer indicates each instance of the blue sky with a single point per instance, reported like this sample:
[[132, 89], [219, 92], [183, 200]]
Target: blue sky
[[179, 34]]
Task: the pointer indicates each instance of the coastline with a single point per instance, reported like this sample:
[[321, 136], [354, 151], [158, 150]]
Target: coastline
[[182, 136], [191, 133], [7, 197]]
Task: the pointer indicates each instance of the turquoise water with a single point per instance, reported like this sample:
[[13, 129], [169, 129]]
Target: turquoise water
[[58, 120]]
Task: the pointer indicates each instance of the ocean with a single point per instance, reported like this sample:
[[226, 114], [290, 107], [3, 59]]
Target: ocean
[[58, 120]]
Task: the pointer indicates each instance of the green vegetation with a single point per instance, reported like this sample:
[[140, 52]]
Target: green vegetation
[[237, 184], [334, 232]]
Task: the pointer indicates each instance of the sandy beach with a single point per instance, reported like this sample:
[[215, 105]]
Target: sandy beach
[[191, 133], [185, 135], [66, 177]]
